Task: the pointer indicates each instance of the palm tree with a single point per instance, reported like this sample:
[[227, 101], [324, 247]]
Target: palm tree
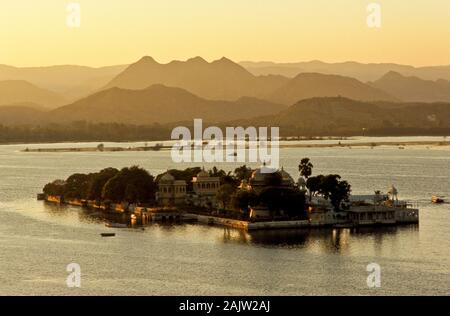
[[305, 168]]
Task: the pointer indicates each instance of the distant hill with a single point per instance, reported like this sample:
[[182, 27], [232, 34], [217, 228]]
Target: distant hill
[[413, 89], [158, 104], [68, 80], [360, 71], [138, 115], [20, 91], [225, 80], [338, 115], [309, 85], [219, 80], [20, 115]]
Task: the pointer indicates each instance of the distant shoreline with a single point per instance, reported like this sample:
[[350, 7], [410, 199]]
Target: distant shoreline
[[165, 147]]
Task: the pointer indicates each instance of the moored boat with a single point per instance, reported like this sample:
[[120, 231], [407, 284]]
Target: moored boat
[[437, 200], [108, 234]]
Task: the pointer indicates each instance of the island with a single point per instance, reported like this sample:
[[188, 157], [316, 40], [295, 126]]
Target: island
[[249, 199]]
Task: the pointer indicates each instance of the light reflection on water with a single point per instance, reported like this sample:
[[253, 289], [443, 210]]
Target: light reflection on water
[[37, 240]]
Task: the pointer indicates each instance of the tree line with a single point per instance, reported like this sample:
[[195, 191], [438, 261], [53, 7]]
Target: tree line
[[136, 185], [116, 132]]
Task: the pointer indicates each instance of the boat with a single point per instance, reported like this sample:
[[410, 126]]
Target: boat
[[116, 225], [108, 234], [437, 200]]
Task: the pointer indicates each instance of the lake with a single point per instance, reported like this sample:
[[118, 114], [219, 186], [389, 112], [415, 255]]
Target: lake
[[38, 241]]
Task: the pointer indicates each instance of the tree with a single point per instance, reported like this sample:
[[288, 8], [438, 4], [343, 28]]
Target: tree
[[340, 194], [314, 184], [305, 168], [215, 172], [290, 201], [225, 193], [76, 186], [243, 199], [225, 177], [242, 173], [130, 184], [293, 203], [55, 188], [98, 181], [331, 188]]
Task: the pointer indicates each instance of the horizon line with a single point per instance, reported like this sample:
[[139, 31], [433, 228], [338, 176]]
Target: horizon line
[[237, 62]]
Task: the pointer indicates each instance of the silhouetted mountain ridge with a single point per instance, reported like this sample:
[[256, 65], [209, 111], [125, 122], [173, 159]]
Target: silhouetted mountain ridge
[[158, 104], [412, 88], [224, 79], [309, 85], [21, 91]]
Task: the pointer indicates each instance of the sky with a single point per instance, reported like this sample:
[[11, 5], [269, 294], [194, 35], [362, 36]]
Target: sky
[[36, 33]]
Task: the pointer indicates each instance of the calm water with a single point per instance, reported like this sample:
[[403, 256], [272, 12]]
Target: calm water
[[38, 241]]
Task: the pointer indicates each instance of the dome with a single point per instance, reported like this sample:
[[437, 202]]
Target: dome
[[203, 174], [286, 177], [259, 175], [167, 177]]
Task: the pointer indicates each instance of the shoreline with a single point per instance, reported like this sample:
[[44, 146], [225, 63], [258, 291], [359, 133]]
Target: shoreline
[[401, 215], [315, 145], [317, 138]]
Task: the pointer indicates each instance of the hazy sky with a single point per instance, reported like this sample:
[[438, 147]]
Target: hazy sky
[[35, 33]]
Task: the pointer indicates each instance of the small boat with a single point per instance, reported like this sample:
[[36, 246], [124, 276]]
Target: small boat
[[108, 234], [116, 225], [437, 200]]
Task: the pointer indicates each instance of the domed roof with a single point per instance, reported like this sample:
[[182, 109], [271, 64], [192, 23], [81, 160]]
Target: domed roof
[[167, 177], [286, 176], [259, 175], [203, 174]]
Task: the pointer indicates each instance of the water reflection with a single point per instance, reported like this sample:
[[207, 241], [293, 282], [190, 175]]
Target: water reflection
[[324, 240], [85, 215], [330, 240]]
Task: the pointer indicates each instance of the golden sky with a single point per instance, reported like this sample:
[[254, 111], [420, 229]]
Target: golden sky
[[35, 32]]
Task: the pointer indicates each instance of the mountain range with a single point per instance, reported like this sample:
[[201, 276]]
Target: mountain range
[[169, 107], [68, 80], [413, 89], [219, 80], [360, 71], [309, 85], [225, 80], [20, 91], [338, 116], [155, 104], [148, 92]]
